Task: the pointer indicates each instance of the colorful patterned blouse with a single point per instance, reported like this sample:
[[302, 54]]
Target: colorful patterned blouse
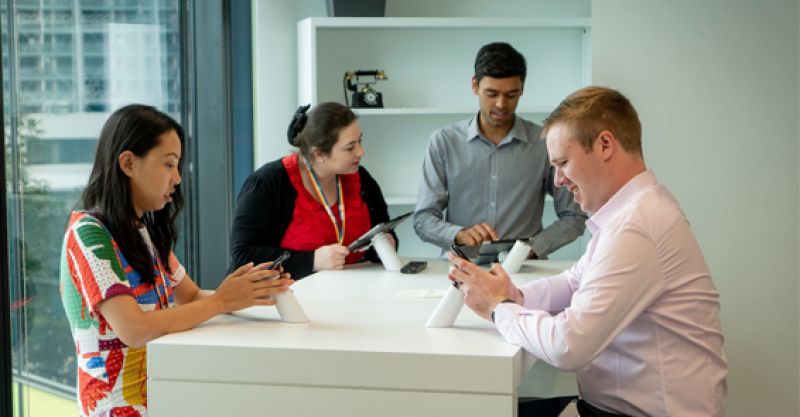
[[112, 378]]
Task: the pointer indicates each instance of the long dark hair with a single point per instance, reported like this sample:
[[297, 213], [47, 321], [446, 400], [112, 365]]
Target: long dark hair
[[319, 128], [134, 128]]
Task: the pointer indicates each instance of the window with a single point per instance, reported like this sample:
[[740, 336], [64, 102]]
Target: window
[[62, 76]]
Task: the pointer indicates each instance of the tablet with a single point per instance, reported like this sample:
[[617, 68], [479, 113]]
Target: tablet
[[366, 239], [489, 250]]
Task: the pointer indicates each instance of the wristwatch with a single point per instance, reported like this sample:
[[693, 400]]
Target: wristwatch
[[507, 300]]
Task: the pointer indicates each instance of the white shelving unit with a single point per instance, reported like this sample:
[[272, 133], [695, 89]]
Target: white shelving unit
[[429, 65], [426, 111]]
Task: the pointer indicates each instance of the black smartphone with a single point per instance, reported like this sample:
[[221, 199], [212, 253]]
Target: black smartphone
[[280, 260], [461, 255], [413, 267], [459, 252]]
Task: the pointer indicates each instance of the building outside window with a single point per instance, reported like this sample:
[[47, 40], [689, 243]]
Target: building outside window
[[67, 64]]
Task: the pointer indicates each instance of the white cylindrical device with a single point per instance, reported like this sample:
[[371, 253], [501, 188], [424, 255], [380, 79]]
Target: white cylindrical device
[[385, 249], [446, 312], [289, 308], [519, 253]]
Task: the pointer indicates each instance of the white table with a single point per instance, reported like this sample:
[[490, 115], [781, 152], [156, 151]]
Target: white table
[[366, 352]]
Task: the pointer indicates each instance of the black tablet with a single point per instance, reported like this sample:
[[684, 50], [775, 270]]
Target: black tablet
[[366, 239], [488, 251]]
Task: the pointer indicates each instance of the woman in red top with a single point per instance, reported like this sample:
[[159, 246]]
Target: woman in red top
[[313, 202]]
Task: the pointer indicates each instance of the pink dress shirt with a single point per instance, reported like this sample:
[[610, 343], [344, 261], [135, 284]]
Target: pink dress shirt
[[637, 317]]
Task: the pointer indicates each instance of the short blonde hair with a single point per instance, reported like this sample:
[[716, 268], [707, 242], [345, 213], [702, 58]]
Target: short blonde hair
[[593, 109]]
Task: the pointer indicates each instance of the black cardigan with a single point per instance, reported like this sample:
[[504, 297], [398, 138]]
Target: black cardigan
[[265, 208]]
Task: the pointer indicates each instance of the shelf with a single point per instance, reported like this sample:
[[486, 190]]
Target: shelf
[[435, 111], [446, 22]]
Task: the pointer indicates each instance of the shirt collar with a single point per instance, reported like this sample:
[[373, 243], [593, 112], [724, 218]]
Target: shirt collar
[[606, 214], [517, 130]]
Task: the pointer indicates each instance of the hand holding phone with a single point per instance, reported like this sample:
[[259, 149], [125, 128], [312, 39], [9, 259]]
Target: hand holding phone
[[280, 260], [456, 250]]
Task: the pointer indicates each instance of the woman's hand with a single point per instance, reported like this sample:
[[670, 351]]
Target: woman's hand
[[391, 240], [249, 286], [330, 257]]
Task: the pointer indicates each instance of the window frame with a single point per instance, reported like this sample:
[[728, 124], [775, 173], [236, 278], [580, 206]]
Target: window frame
[[216, 111]]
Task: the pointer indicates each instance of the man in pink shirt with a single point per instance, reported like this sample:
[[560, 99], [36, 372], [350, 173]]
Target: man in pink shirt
[[637, 317]]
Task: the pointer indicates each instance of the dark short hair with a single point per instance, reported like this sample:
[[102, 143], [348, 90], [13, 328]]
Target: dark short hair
[[320, 127], [136, 128], [499, 60], [591, 110]]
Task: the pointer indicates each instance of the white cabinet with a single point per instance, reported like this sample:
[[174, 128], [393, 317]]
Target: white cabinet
[[429, 65]]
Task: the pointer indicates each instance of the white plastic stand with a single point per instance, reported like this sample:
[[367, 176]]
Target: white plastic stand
[[446, 312], [514, 260], [289, 308], [385, 249]]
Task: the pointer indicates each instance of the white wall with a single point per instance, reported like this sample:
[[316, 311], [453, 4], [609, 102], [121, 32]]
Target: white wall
[[275, 71], [716, 86]]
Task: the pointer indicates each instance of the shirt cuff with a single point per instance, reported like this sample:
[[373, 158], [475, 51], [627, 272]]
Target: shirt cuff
[[504, 315], [451, 232], [177, 276], [539, 247]]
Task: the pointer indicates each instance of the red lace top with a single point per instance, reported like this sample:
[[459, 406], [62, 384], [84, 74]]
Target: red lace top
[[311, 227]]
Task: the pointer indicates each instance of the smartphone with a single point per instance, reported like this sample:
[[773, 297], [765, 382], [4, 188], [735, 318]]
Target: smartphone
[[280, 260], [461, 255], [459, 252], [413, 267]]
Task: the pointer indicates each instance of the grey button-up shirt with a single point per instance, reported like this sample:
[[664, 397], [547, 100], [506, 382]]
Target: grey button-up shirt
[[504, 185]]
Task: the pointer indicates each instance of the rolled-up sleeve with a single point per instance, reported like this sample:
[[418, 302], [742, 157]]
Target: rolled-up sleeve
[[432, 198]]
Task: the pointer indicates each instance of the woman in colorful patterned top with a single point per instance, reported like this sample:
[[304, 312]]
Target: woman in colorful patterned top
[[121, 284], [312, 203]]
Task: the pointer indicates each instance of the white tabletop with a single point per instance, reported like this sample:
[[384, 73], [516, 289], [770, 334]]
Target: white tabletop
[[367, 329]]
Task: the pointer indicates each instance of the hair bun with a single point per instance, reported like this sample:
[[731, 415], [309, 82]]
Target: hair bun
[[298, 122]]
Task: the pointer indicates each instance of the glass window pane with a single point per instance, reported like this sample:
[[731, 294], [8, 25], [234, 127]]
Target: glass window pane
[[66, 65]]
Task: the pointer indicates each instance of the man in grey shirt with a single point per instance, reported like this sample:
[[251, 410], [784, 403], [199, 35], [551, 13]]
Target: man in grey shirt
[[491, 173]]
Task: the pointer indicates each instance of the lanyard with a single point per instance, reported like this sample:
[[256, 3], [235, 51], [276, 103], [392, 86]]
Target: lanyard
[[162, 291], [321, 195], [163, 295]]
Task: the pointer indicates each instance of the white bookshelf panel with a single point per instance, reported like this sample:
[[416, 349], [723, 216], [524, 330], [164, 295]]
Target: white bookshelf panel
[[433, 67]]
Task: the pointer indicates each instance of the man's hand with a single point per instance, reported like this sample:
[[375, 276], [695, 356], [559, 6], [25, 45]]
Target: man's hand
[[483, 290], [476, 234]]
